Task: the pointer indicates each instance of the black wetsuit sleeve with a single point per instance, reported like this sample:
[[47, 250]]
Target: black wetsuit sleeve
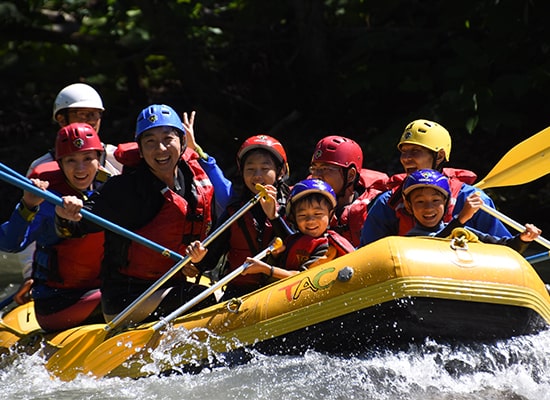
[[446, 232]]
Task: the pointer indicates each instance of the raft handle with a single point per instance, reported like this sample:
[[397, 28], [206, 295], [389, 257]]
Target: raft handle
[[233, 305]]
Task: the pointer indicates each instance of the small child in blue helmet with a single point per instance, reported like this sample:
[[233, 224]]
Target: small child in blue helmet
[[310, 207], [426, 195]]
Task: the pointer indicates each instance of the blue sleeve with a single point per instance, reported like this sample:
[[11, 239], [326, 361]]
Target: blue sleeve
[[16, 234], [223, 187], [481, 220], [381, 220]]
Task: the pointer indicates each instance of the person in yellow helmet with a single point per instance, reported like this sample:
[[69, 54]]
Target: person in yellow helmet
[[425, 144]]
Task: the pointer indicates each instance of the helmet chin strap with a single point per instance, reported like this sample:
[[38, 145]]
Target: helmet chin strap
[[349, 183]]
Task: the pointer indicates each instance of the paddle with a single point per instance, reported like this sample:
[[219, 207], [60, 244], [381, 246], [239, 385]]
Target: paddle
[[512, 223], [22, 182], [523, 163], [116, 350], [536, 258], [64, 360]]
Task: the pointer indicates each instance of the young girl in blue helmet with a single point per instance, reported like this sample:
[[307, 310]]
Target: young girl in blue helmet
[[426, 194], [311, 205]]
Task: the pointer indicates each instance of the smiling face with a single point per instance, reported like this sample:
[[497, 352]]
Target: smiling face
[[259, 167], [161, 149], [312, 215], [80, 168], [427, 206]]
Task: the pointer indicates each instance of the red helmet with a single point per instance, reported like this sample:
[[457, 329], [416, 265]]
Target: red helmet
[[267, 143], [76, 137], [340, 151]]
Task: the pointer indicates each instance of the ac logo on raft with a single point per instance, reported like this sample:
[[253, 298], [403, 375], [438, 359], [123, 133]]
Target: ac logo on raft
[[295, 289]]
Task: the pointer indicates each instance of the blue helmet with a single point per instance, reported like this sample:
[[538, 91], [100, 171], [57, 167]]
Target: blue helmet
[[157, 115], [427, 178], [309, 186]]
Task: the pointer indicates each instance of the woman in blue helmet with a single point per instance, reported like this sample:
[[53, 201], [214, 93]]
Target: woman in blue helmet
[[166, 198], [426, 194]]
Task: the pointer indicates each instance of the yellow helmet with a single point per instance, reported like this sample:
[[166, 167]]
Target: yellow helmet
[[427, 134]]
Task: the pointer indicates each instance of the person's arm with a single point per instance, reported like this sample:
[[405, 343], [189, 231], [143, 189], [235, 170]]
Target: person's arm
[[216, 249], [26, 221], [446, 232], [381, 221], [223, 187], [481, 221], [272, 271]]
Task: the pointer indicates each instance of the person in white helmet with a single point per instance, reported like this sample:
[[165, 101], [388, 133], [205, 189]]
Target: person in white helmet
[[77, 102], [80, 102]]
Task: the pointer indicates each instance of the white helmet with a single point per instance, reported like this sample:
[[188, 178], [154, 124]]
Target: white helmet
[[77, 95]]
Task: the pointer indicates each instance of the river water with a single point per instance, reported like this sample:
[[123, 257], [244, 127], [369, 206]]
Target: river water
[[514, 369]]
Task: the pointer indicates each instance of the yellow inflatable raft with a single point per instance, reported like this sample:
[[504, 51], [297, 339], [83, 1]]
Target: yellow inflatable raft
[[395, 291]]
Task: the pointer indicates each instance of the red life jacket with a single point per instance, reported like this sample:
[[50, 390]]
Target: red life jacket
[[350, 220], [239, 247], [173, 227], [300, 247], [457, 178], [72, 263]]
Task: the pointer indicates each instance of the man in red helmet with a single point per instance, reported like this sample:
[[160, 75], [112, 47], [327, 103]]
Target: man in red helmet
[[65, 274], [338, 161]]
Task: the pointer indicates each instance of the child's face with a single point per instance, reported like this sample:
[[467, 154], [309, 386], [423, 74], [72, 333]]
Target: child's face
[[427, 205], [259, 167], [312, 217]]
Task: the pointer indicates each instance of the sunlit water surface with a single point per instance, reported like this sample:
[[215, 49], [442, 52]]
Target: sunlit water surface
[[515, 369]]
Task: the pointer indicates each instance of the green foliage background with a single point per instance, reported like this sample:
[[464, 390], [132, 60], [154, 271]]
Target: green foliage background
[[296, 69]]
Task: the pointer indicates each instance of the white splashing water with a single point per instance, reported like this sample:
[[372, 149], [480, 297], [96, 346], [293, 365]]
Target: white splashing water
[[516, 369]]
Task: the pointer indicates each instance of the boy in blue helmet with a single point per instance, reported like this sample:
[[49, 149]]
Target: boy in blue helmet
[[310, 207], [425, 144], [426, 194], [166, 198]]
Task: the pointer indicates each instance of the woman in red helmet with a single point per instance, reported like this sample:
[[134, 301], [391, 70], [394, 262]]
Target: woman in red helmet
[[261, 159], [65, 273], [338, 161]]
